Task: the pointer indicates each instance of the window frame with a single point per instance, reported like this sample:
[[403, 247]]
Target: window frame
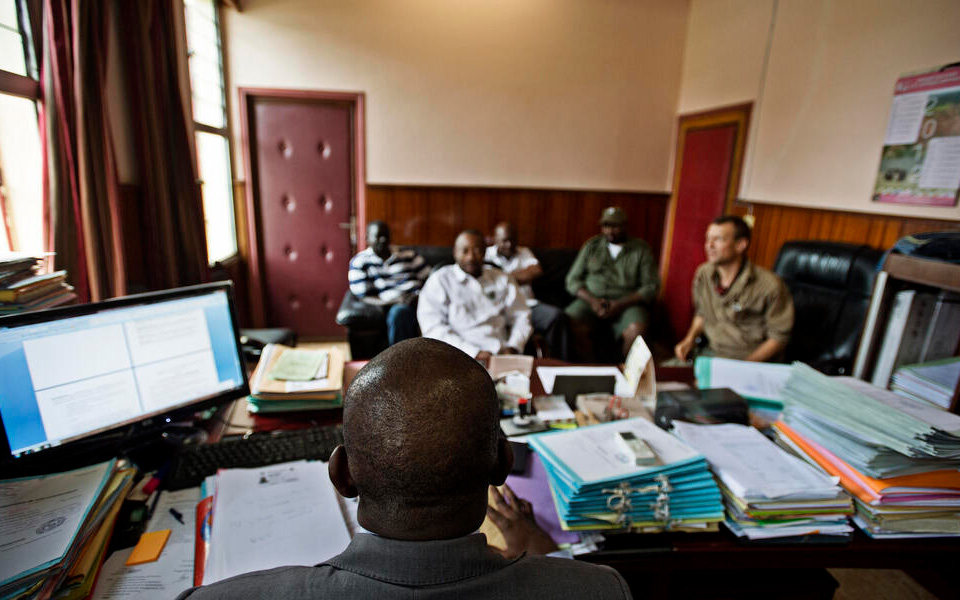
[[223, 132], [23, 86]]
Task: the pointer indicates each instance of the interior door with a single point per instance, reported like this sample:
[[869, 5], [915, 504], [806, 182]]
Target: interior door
[[706, 180], [304, 181]]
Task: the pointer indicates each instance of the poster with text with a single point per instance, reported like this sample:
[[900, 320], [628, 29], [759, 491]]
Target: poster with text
[[920, 163]]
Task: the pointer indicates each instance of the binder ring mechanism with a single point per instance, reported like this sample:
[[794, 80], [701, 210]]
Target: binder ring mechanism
[[620, 503]]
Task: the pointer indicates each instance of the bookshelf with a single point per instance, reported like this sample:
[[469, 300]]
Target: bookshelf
[[900, 272]]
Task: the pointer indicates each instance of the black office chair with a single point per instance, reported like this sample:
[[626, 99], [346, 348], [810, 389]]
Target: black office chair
[[831, 283]]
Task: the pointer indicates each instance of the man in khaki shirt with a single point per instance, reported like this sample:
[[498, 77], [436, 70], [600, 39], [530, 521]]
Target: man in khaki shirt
[[745, 310]]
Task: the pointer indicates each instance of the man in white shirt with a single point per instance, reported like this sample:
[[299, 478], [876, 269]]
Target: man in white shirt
[[548, 320], [478, 309]]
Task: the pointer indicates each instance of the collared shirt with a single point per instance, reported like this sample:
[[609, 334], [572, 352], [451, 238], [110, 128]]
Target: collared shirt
[[756, 307], [378, 281], [474, 313], [521, 259], [463, 568], [634, 270]]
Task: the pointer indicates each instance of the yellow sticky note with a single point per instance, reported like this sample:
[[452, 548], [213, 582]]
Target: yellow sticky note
[[149, 547]]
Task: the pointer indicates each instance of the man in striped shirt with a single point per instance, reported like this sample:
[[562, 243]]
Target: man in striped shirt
[[390, 278]]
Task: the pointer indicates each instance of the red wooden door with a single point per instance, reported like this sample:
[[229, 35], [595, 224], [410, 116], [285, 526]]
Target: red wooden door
[[709, 155], [302, 173]]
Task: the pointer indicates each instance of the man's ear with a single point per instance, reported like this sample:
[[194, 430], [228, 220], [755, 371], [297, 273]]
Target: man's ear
[[339, 470], [741, 245], [504, 461]]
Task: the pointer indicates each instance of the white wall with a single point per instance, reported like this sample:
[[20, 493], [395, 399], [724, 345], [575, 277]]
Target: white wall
[[821, 111], [539, 93]]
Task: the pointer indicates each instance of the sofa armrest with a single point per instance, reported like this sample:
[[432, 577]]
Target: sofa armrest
[[356, 313]]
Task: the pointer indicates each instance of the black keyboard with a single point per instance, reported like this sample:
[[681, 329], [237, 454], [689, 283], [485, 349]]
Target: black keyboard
[[195, 463]]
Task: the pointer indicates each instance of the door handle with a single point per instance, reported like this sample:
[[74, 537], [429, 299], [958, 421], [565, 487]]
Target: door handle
[[351, 227]]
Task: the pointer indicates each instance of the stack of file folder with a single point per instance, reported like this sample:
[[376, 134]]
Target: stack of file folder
[[931, 382], [769, 494], [596, 485], [56, 528], [277, 385], [897, 456]]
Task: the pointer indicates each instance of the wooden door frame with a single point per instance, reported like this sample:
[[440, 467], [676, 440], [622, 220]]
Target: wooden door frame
[[248, 95], [738, 115]]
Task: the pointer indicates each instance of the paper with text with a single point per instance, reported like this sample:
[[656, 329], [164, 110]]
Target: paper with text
[[267, 517]]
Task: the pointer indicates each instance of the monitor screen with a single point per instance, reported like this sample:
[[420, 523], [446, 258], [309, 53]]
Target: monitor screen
[[75, 373]]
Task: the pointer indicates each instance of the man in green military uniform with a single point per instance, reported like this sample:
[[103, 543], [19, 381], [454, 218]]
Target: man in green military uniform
[[615, 281]]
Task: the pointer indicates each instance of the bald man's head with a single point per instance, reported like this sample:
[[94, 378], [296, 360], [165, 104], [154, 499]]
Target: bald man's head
[[505, 239], [422, 441]]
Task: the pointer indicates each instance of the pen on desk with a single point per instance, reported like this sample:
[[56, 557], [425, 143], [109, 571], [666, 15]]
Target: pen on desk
[[176, 515]]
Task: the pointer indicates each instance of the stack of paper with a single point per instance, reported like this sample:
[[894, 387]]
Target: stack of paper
[[877, 431], [768, 493], [55, 529], [932, 382], [308, 377], [596, 485], [897, 456], [266, 517]]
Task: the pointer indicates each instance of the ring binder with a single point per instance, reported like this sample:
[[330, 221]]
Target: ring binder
[[620, 503]]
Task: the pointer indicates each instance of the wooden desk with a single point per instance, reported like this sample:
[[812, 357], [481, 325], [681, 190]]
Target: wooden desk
[[656, 564]]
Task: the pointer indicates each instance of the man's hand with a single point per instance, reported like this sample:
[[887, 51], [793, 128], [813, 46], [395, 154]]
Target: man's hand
[[601, 307], [615, 309], [514, 518], [509, 350], [682, 350], [483, 357]]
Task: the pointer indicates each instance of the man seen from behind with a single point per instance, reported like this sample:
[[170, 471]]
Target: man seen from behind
[[421, 445]]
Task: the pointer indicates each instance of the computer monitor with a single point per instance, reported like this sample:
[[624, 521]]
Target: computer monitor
[[85, 374]]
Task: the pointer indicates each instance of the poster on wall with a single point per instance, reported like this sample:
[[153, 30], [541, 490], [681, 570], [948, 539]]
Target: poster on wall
[[920, 163]]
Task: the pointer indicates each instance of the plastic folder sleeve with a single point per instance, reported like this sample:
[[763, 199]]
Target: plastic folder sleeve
[[944, 478], [849, 477]]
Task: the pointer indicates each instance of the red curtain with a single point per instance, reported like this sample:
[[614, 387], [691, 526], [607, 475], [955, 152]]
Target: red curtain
[[81, 213], [171, 208]]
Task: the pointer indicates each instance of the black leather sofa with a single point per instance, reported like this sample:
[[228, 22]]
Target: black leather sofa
[[366, 324], [831, 283]]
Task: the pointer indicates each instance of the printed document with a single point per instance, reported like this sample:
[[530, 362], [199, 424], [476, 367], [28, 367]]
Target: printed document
[[752, 466], [266, 517], [40, 517]]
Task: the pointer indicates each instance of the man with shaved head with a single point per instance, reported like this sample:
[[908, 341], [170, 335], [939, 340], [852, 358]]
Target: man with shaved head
[[476, 308], [421, 445]]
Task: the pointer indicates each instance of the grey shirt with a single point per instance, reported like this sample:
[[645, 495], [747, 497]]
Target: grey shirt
[[462, 568]]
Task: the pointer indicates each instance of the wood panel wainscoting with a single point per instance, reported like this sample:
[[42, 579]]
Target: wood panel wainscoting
[[776, 224], [434, 215]]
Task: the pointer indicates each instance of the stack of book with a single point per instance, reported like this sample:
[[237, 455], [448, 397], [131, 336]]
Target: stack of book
[[897, 457], [56, 529], [931, 382], [597, 485], [308, 377], [769, 493], [23, 288]]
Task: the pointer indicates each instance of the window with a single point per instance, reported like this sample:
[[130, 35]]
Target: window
[[210, 126], [21, 185]]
